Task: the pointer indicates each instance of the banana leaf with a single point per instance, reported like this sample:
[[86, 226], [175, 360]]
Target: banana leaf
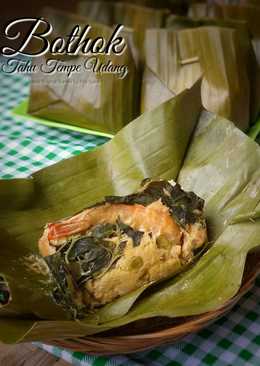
[[136, 17], [255, 130], [154, 91], [247, 44], [247, 12], [217, 54], [217, 161], [115, 168], [129, 14], [98, 101]]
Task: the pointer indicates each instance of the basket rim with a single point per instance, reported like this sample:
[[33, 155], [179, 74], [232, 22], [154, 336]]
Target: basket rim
[[195, 319], [110, 344]]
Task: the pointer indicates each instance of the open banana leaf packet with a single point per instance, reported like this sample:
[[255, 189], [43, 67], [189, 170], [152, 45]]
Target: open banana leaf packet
[[97, 101], [179, 141], [190, 49]]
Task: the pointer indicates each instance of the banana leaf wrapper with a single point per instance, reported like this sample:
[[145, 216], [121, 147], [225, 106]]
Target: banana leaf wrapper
[[129, 14], [136, 17], [217, 54], [247, 44], [116, 168], [217, 161], [99, 101], [249, 13]]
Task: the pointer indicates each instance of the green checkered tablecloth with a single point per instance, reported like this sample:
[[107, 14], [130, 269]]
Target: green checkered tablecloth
[[26, 147]]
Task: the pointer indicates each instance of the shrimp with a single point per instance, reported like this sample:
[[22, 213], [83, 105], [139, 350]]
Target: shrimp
[[154, 218]]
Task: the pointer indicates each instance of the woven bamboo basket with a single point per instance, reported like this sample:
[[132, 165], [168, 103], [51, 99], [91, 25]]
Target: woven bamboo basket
[[146, 334]]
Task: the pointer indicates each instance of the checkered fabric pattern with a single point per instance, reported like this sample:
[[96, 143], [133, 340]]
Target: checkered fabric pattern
[[26, 147]]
